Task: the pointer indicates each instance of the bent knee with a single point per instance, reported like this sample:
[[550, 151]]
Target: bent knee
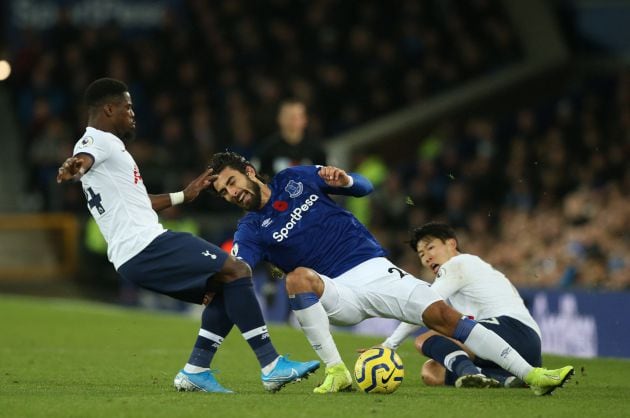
[[234, 269], [302, 280], [433, 373], [420, 339], [441, 317]]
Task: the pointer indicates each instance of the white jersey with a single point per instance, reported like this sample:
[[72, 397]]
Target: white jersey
[[475, 288], [116, 196]]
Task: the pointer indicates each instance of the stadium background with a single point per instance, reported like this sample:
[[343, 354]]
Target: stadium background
[[508, 119]]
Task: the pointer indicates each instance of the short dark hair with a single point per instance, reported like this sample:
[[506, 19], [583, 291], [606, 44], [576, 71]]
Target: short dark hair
[[437, 230], [102, 90], [221, 160]]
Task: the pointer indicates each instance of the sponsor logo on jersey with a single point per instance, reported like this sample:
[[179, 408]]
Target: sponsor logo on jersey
[[440, 272], [234, 251], [296, 216], [266, 223], [136, 175], [86, 142], [294, 189]]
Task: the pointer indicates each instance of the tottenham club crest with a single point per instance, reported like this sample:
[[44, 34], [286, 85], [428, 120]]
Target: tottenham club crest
[[294, 189]]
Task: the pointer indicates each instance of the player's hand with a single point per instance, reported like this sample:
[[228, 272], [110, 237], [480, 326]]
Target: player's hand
[[207, 298], [70, 169], [334, 176], [197, 185]]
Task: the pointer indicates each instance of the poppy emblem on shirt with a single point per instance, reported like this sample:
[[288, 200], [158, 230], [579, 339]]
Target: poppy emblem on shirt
[[280, 205]]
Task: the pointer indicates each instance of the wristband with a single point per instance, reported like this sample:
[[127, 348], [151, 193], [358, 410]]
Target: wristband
[[177, 198], [351, 183]]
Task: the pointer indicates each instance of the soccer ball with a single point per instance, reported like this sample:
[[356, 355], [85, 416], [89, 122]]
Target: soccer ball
[[379, 370]]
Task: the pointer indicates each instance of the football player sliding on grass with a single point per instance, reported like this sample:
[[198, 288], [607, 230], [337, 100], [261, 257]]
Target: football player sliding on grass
[[336, 271], [476, 289]]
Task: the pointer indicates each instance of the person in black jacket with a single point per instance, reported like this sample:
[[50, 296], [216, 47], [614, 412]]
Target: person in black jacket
[[291, 146]]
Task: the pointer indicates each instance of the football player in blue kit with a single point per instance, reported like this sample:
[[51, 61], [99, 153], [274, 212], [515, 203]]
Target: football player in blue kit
[[336, 271], [176, 264]]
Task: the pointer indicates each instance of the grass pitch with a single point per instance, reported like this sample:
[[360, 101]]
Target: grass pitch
[[61, 358]]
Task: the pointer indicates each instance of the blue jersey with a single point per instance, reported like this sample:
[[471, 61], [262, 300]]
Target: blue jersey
[[301, 226]]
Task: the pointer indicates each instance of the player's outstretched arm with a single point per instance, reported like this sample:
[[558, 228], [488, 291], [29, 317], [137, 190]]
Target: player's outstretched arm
[[190, 193], [74, 167], [352, 184]]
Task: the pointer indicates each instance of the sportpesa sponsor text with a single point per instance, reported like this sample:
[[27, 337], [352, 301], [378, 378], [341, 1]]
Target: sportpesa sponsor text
[[296, 216]]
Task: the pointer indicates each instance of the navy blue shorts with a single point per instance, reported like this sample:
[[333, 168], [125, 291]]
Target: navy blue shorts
[[177, 264], [521, 337]]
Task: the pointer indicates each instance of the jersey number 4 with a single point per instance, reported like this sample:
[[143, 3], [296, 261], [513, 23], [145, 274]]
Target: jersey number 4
[[94, 200]]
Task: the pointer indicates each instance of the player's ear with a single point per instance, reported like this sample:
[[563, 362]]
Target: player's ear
[[108, 109], [249, 170]]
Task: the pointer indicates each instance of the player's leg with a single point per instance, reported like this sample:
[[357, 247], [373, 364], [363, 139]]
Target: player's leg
[[433, 373], [243, 309], [385, 290], [184, 266], [522, 338], [215, 326], [487, 344], [453, 357], [305, 288]]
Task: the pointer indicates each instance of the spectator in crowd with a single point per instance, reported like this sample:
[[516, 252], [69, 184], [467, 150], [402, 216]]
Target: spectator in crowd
[[291, 146]]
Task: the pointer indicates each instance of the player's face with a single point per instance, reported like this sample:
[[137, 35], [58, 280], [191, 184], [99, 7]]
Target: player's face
[[124, 119], [238, 188], [433, 252]]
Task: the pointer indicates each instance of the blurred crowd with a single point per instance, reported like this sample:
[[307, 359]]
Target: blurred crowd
[[541, 193], [212, 76]]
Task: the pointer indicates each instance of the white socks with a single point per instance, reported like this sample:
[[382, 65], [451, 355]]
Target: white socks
[[488, 345], [315, 324]]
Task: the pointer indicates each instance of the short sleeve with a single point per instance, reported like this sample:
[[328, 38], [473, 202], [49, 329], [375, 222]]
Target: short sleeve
[[449, 279], [99, 148]]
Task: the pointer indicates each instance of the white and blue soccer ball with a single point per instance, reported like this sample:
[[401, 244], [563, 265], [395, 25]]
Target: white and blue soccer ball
[[379, 370]]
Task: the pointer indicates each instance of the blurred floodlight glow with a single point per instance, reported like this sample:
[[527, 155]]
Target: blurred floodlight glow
[[5, 70]]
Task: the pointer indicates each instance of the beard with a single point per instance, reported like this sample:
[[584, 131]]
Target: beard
[[128, 135], [254, 203]]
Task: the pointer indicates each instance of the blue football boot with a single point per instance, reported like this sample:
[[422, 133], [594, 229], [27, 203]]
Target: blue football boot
[[287, 371], [198, 382]]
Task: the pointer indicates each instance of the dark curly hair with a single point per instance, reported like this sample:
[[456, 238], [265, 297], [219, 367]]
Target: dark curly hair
[[221, 160], [437, 230]]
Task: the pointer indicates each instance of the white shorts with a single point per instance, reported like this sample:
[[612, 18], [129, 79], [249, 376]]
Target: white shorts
[[376, 288]]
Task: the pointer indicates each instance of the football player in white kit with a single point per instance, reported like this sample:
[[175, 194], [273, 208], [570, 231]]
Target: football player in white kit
[[172, 263], [338, 273], [476, 289]]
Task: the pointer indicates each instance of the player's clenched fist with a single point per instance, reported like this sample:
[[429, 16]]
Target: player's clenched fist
[[334, 176], [70, 169]]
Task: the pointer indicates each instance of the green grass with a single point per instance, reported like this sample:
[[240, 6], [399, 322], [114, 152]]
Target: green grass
[[61, 358]]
